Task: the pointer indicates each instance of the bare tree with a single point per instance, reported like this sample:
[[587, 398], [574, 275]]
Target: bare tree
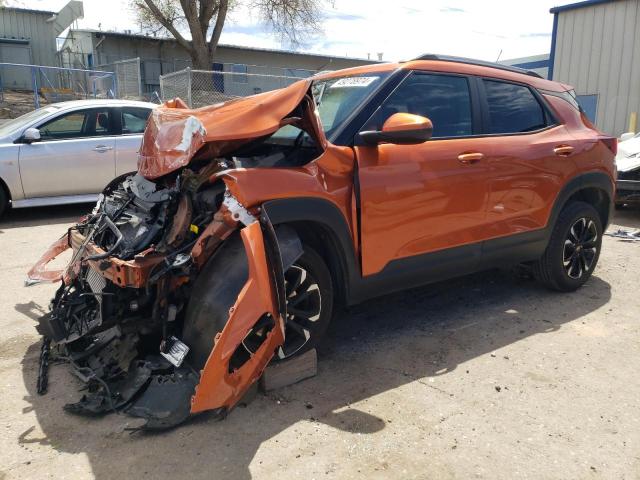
[[293, 20]]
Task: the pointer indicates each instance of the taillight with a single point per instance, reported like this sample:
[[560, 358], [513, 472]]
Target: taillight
[[611, 143]]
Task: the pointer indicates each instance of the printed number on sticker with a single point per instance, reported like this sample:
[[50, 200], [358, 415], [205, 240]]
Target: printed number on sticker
[[354, 82]]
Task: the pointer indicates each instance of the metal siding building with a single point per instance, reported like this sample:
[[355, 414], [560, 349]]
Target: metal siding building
[[29, 36], [159, 56], [596, 48], [536, 63]]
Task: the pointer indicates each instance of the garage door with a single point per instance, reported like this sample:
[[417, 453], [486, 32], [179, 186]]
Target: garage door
[[15, 77]]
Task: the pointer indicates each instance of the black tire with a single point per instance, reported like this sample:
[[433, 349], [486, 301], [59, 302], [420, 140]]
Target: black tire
[[573, 249], [217, 289], [619, 206], [4, 201], [309, 304]]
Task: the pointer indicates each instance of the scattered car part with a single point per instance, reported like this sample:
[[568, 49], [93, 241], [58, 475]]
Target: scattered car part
[[625, 235]]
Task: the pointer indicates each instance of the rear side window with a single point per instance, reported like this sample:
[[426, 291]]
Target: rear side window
[[444, 99], [134, 120], [512, 108]]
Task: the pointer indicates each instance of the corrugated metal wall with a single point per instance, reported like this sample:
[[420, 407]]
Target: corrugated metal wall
[[598, 52], [33, 26]]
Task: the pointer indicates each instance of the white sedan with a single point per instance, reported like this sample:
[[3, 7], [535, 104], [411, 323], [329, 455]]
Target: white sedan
[[67, 152]]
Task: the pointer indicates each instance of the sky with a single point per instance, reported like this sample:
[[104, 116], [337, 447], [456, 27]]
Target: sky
[[399, 29]]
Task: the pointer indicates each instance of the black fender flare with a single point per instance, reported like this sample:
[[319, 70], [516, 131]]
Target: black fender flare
[[322, 212], [598, 180]]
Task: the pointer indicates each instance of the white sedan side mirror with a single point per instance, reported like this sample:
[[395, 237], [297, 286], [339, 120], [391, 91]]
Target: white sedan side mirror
[[31, 135], [627, 136]]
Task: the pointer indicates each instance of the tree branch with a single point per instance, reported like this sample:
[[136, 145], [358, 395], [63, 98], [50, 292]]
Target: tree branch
[[165, 22], [221, 16], [207, 10], [191, 15]]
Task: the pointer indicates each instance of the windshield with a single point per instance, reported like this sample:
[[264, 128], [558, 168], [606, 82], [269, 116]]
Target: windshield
[[17, 123], [337, 98]]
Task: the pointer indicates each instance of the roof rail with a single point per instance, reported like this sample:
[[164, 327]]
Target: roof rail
[[481, 63]]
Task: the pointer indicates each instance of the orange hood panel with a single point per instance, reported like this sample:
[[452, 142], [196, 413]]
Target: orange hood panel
[[175, 133]]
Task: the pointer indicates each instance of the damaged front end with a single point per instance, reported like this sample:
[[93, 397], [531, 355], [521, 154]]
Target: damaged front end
[[119, 317]]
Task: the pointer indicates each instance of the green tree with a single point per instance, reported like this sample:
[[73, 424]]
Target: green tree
[[293, 20]]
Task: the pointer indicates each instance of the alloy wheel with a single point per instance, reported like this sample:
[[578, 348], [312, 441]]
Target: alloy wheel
[[304, 306], [580, 248]]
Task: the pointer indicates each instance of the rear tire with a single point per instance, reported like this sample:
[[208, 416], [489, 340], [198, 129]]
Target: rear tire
[[4, 202], [573, 249]]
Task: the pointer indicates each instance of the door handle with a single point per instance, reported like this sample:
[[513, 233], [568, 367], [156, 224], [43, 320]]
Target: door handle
[[469, 158], [563, 150], [102, 148]]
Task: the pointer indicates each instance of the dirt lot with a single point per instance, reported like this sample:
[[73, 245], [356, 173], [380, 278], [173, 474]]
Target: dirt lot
[[482, 377]]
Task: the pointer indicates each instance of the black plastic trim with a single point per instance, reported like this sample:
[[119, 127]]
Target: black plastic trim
[[599, 180], [480, 63], [323, 212]]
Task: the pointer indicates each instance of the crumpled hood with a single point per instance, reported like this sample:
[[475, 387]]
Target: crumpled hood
[[175, 133]]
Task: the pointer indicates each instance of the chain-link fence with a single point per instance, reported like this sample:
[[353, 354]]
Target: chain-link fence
[[128, 78], [200, 87], [25, 87]]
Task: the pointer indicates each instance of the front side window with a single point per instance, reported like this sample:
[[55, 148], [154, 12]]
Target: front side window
[[512, 108], [134, 120], [83, 123], [443, 99]]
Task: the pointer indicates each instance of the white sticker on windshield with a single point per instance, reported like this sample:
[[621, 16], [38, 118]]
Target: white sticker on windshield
[[354, 82]]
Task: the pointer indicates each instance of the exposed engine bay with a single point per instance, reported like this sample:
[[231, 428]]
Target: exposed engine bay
[[118, 317]]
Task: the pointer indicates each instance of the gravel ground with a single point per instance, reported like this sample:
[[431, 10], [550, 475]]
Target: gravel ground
[[488, 376]]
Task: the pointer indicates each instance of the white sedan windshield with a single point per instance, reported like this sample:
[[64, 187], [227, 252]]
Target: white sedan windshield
[[20, 122]]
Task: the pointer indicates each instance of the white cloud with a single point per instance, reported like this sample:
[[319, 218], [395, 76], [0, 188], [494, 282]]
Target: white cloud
[[400, 29]]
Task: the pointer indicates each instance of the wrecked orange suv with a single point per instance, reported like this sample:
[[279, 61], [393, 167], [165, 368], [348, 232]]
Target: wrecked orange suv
[[248, 221]]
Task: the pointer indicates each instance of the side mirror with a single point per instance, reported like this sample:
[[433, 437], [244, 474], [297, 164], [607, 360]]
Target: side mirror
[[31, 135], [400, 129], [627, 136]]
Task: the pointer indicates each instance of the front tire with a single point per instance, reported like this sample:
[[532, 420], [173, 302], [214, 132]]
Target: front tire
[[309, 294], [573, 249]]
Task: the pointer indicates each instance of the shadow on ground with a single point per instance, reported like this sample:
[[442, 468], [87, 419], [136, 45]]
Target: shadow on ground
[[372, 348], [30, 217], [628, 217]]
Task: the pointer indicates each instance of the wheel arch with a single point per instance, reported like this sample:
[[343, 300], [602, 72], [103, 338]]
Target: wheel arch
[[321, 225], [594, 188]]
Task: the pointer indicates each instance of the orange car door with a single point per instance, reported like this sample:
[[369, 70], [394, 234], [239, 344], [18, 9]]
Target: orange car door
[[418, 199], [530, 159]]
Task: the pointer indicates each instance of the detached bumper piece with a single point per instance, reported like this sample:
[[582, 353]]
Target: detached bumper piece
[[151, 388]]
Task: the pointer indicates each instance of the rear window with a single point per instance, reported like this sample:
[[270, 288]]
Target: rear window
[[512, 108]]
